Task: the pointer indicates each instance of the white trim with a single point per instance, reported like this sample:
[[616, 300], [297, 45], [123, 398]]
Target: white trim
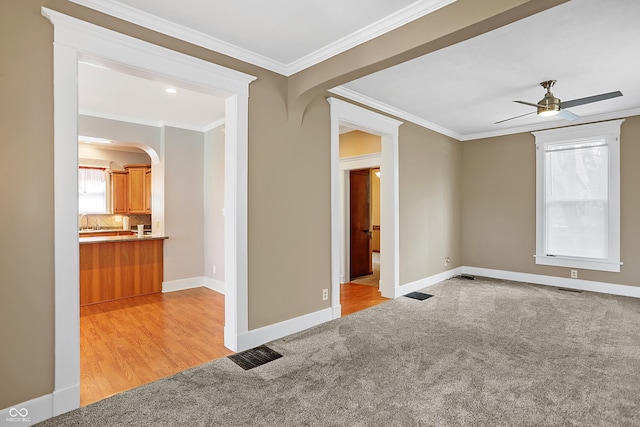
[[153, 123], [164, 26], [182, 284], [389, 109], [425, 282], [386, 24], [74, 39], [371, 122], [363, 161], [38, 410], [193, 282], [610, 132], [543, 124], [214, 285], [256, 337], [562, 282]]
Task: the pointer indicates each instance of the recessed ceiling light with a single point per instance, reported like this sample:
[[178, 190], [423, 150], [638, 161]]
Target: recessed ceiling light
[[170, 90]]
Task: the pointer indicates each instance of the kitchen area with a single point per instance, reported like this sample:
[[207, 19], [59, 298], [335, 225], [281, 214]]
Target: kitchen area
[[120, 257]]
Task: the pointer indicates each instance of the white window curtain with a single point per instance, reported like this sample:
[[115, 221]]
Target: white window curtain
[[92, 190]]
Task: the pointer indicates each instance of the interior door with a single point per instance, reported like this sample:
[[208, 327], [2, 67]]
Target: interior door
[[360, 222]]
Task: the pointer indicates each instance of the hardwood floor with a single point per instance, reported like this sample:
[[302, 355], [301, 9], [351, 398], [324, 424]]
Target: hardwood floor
[[354, 297], [133, 341]]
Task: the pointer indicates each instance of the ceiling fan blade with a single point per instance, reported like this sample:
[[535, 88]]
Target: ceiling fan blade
[[590, 99], [528, 103], [511, 118], [567, 115]]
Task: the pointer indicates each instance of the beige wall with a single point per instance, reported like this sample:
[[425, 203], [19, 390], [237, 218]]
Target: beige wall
[[498, 209], [429, 202], [289, 186], [357, 143]]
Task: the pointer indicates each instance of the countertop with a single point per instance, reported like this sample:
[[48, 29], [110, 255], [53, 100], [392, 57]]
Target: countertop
[[110, 239]]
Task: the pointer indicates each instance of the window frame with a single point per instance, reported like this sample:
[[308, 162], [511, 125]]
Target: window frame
[[609, 132], [108, 202]]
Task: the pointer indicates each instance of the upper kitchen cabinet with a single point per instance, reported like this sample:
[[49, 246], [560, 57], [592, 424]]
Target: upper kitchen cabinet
[[139, 183], [119, 192]]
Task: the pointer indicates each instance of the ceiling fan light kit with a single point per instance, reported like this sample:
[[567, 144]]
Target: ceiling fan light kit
[[551, 106]]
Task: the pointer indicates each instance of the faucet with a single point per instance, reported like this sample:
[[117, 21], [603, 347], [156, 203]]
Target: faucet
[[80, 221]]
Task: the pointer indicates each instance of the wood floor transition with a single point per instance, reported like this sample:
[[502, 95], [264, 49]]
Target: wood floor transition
[[134, 341]]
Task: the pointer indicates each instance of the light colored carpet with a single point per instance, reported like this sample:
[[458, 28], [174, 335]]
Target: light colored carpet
[[370, 279], [479, 353]]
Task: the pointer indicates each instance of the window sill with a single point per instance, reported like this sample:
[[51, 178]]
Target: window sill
[[579, 263]]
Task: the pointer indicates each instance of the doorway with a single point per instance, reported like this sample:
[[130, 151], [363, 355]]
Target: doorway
[[346, 115], [74, 38]]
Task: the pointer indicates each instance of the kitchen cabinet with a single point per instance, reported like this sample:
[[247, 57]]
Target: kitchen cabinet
[[119, 267], [137, 190], [119, 192], [131, 190]]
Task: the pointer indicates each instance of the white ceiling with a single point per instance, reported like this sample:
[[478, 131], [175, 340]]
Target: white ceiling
[[588, 46]]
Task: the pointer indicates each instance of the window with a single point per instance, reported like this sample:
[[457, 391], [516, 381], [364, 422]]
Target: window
[[578, 196], [92, 190]]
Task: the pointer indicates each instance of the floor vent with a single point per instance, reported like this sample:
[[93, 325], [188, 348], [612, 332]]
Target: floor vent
[[577, 291], [418, 295], [255, 357]]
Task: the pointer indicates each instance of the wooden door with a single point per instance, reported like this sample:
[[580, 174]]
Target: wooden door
[[360, 222]]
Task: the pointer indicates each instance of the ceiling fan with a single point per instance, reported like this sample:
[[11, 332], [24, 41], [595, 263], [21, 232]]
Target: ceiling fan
[[551, 106]]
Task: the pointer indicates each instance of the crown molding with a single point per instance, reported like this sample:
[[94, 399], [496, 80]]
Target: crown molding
[[386, 108], [370, 102], [164, 26], [371, 31], [121, 11], [554, 124]]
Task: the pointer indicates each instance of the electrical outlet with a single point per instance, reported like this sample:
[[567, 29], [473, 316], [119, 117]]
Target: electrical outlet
[[325, 294], [214, 269], [574, 274], [447, 260]]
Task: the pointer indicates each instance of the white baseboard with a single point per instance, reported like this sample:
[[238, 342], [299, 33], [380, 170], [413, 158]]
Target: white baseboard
[[337, 311], [66, 400], [181, 284], [425, 282], [214, 285], [563, 282], [193, 282], [265, 334], [30, 412]]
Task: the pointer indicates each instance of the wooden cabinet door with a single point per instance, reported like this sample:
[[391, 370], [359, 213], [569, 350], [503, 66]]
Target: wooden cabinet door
[[136, 189], [119, 190]]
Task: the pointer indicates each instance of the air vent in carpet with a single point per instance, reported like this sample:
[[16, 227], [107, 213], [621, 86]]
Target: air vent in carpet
[[255, 357], [577, 291], [418, 295]]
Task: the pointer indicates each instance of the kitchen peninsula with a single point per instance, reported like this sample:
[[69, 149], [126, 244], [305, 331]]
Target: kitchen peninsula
[[114, 267]]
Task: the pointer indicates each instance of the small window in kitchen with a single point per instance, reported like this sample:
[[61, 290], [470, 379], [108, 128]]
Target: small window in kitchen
[[92, 190]]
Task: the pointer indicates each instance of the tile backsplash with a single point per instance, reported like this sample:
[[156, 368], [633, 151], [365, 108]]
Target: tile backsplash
[[114, 222]]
